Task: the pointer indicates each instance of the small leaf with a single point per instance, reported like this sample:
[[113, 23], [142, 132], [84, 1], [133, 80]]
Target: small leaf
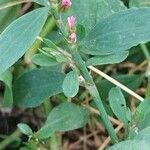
[[119, 32], [50, 44], [43, 60], [118, 104], [25, 129], [19, 36], [108, 59], [36, 86], [64, 117], [71, 84], [6, 77]]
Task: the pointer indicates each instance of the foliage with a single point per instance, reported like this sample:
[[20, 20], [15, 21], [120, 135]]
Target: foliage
[[99, 35]]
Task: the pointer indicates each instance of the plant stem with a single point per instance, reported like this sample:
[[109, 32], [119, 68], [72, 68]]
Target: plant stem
[[147, 55], [94, 92], [10, 139], [145, 51], [53, 141], [148, 89]]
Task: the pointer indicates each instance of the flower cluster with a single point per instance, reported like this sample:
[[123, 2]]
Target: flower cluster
[[72, 26]]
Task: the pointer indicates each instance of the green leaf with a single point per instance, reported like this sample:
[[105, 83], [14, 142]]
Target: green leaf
[[93, 11], [43, 60], [108, 59], [50, 44], [42, 2], [119, 32], [71, 84], [6, 77], [25, 129], [131, 145], [118, 104], [7, 15], [37, 85], [65, 117], [139, 3], [19, 36]]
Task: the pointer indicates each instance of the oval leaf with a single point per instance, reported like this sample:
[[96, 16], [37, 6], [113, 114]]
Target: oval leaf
[[71, 84], [65, 117], [119, 31], [43, 60], [35, 86], [25, 129], [108, 59], [118, 104], [18, 37]]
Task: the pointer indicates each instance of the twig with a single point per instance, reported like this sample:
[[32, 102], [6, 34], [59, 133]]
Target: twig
[[116, 83]]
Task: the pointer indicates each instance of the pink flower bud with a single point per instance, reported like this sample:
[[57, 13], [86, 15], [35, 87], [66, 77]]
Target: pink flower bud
[[66, 4], [73, 37], [71, 22]]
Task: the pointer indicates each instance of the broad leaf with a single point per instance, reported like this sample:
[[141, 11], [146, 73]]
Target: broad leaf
[[6, 77], [93, 11], [119, 32], [131, 145], [71, 84], [108, 59], [35, 86], [118, 104], [65, 117], [19, 36], [25, 129]]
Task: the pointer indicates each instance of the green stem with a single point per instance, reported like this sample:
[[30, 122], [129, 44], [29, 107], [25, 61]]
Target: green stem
[[145, 51], [148, 89], [49, 26], [10, 139], [147, 55], [53, 141], [94, 92]]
